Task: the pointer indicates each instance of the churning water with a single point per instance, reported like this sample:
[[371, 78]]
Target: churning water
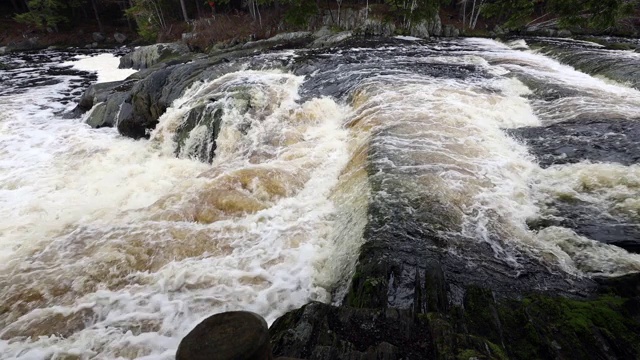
[[115, 248]]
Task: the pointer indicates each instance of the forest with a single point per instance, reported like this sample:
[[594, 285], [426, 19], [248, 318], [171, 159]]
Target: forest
[[161, 20]]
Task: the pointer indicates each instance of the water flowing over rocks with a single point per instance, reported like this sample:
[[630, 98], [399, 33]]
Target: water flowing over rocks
[[592, 58], [456, 199]]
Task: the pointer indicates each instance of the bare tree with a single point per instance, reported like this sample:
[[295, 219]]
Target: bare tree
[[184, 11], [94, 4]]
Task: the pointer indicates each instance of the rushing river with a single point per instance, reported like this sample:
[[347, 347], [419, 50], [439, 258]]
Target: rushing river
[[116, 248]]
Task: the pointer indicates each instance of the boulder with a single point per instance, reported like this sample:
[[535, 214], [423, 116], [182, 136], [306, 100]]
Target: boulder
[[148, 104], [207, 118], [332, 39], [420, 30], [434, 26], [28, 44], [104, 100], [288, 39], [499, 30], [120, 38], [564, 33], [98, 37], [376, 27], [147, 56], [235, 335], [324, 31], [159, 87], [450, 31]]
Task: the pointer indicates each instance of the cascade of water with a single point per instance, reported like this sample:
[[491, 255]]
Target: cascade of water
[[257, 188]]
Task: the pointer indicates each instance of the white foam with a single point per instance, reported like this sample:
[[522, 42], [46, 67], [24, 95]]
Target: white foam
[[407, 38], [105, 65], [587, 96], [139, 271]]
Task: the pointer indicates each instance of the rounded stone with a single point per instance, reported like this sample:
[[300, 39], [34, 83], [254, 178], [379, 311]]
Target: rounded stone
[[235, 335]]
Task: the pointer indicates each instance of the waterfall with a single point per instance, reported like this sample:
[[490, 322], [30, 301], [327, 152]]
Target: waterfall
[[259, 186]]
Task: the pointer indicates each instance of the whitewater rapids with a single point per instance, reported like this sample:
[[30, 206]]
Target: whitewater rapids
[[115, 248]]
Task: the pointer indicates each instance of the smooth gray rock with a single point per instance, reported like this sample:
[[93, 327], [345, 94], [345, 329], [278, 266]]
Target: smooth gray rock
[[420, 30], [375, 27], [450, 31], [434, 26], [120, 38], [564, 33], [98, 37], [147, 56], [332, 39]]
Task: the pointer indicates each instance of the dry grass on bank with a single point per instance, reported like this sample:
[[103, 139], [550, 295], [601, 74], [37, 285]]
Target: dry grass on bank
[[233, 28]]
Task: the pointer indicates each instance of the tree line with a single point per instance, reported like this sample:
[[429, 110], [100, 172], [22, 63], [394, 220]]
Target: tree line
[[148, 17]]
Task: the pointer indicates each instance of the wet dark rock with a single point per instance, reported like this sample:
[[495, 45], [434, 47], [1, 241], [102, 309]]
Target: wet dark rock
[[613, 140], [599, 140], [445, 305], [209, 116], [320, 331], [227, 336], [107, 97], [485, 327], [592, 222]]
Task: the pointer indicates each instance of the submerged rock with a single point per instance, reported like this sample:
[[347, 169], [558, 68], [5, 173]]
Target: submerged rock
[[599, 140]]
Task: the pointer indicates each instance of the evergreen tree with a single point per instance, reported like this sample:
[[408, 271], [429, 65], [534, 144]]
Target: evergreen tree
[[44, 14]]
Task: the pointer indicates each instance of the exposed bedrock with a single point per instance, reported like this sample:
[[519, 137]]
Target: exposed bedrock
[[147, 56], [417, 294], [610, 140], [135, 105], [412, 298], [614, 140]]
